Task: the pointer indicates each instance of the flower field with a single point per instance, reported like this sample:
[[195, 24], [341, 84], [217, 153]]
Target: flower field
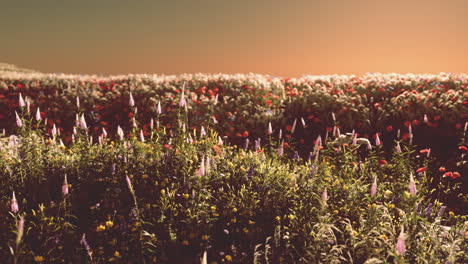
[[233, 169]]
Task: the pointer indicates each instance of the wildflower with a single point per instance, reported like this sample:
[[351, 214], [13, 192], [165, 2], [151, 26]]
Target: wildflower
[[373, 191], [201, 170], [442, 169], [100, 228], [441, 211], [398, 148], [120, 132], [65, 186], [14, 204], [293, 126], [38, 258], [78, 102], [280, 150], [117, 254], [158, 108], [21, 101], [383, 162], [303, 122], [389, 128], [182, 101], [38, 114], [412, 185], [84, 242], [142, 136], [19, 123], [109, 223], [456, 175], [19, 235], [204, 258], [325, 196], [131, 102], [270, 129], [83, 122], [401, 243], [425, 118], [205, 237], [185, 243], [228, 258], [422, 169], [377, 140], [463, 148], [429, 210]]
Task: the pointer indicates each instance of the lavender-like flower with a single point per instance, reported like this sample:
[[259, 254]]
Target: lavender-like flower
[[131, 101], [77, 102], [182, 102], [142, 136], [324, 196], [400, 246], [65, 186], [441, 211], [19, 123], [373, 190], [28, 105], [280, 134], [38, 114], [158, 108], [202, 132], [220, 141], [270, 129], [21, 101], [14, 204], [104, 132], [204, 258], [398, 148], [84, 242], [377, 140], [201, 170], [54, 131], [425, 119], [120, 132], [83, 122], [428, 211], [281, 150], [294, 126], [412, 185]]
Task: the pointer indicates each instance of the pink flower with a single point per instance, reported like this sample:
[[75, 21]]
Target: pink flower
[[201, 170], [270, 129], [131, 101], [142, 137], [38, 114], [14, 204], [401, 243], [21, 101], [19, 123], [412, 185], [65, 186], [373, 191], [377, 140], [325, 196]]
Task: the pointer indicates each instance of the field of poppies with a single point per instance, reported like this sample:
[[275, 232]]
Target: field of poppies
[[233, 169]]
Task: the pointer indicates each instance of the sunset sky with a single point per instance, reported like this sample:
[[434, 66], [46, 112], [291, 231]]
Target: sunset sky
[[276, 37]]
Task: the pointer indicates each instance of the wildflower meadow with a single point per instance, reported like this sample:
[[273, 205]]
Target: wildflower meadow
[[233, 169]]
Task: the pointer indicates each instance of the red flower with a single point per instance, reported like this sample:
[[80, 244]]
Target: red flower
[[456, 175], [448, 174], [463, 148], [407, 123], [382, 162], [288, 127], [424, 151], [421, 169], [302, 141], [329, 129], [246, 134], [437, 117], [285, 145], [457, 126], [442, 169], [389, 128]]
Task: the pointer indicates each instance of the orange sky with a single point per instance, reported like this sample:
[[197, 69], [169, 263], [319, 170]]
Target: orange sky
[[280, 38]]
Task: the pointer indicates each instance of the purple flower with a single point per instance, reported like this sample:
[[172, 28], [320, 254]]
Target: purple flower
[[38, 114], [412, 185], [65, 186], [131, 102], [21, 101]]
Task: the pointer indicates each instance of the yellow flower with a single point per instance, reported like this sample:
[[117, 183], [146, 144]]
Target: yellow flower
[[451, 214], [427, 240], [100, 228], [345, 187], [228, 257], [213, 208], [291, 217], [251, 222], [186, 195], [39, 258], [185, 243], [278, 218], [245, 230], [109, 223], [116, 254], [233, 220], [144, 176], [384, 237], [205, 237], [391, 206], [234, 210], [335, 211]]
